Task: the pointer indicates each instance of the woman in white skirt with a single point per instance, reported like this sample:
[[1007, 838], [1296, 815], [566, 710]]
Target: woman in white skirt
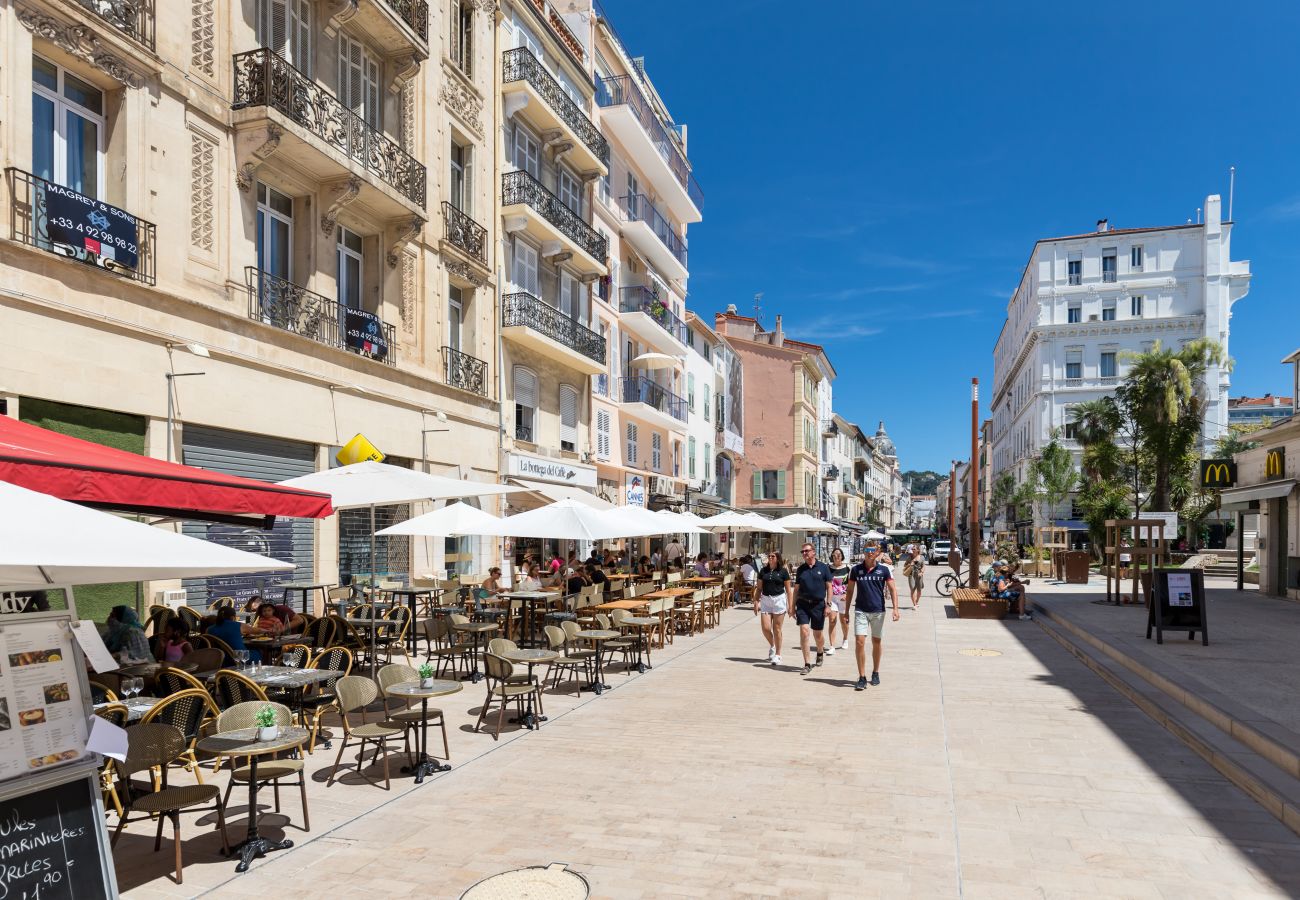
[[773, 601]]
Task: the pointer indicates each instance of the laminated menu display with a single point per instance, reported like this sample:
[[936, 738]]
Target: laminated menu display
[[42, 712]]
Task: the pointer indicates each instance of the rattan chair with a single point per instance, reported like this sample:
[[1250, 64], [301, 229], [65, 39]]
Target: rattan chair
[[157, 621], [203, 659], [324, 698], [625, 645], [409, 716], [244, 715], [151, 746], [444, 646], [173, 681], [503, 692], [232, 687], [354, 695], [395, 639], [186, 710], [361, 611], [101, 693], [118, 714], [295, 656], [319, 633], [227, 651], [555, 641], [191, 618]]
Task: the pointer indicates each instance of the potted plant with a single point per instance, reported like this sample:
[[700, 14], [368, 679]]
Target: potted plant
[[426, 675], [267, 729]]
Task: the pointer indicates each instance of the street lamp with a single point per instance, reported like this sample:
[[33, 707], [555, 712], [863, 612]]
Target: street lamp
[[424, 433], [171, 406]]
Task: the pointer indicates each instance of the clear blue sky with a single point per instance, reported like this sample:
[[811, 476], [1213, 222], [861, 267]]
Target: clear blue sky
[[880, 171]]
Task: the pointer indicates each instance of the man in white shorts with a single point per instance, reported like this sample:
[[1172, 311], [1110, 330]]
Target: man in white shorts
[[868, 582]]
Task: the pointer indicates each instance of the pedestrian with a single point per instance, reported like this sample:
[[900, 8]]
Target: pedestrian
[[812, 580], [835, 609], [773, 602], [674, 553], [915, 572], [868, 582]]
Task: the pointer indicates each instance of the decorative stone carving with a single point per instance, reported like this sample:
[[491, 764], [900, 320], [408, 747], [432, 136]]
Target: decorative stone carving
[[406, 233], [342, 194], [463, 271], [203, 37], [408, 294], [403, 69], [485, 6], [81, 42], [408, 117], [337, 13], [252, 148], [462, 100], [203, 172]]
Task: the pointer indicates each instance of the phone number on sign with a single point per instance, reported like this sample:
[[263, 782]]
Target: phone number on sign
[[97, 234]]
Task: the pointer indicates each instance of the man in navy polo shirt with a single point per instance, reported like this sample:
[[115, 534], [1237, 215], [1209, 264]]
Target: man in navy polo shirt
[[868, 582], [811, 580]]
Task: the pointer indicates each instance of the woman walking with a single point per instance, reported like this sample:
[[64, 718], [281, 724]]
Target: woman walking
[[915, 572], [835, 611], [773, 602]]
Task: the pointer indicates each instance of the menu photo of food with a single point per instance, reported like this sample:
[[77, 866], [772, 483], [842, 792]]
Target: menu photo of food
[[50, 759], [5, 723], [57, 693], [29, 717], [35, 657]]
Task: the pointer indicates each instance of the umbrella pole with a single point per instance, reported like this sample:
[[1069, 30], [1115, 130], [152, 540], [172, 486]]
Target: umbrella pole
[[373, 590]]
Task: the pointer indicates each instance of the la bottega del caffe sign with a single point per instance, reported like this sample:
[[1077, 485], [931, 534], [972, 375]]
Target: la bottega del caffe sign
[[554, 470]]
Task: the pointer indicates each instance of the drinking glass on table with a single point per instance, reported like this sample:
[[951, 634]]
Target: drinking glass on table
[[241, 657]]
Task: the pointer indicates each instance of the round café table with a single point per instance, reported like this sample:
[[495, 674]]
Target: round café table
[[643, 625], [425, 764], [476, 630], [244, 742], [598, 636], [530, 658]]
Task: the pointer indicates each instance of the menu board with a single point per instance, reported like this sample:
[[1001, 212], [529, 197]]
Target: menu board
[[53, 845], [42, 713]]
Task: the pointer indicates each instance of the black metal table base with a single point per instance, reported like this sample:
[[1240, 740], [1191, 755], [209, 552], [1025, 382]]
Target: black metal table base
[[256, 848], [529, 719], [425, 767]]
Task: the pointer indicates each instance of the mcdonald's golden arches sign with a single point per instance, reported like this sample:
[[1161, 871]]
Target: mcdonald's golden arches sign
[[1218, 473], [1275, 463]]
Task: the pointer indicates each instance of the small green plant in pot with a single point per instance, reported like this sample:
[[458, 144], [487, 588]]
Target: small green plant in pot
[[267, 728], [426, 675]]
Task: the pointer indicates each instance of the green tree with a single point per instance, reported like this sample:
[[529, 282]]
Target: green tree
[[1098, 424], [924, 482]]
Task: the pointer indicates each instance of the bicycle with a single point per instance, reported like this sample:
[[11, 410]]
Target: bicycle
[[949, 581]]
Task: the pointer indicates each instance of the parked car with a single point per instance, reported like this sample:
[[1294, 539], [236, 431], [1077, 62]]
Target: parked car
[[939, 552]]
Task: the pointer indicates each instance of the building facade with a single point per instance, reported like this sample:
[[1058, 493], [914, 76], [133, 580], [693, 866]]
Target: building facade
[[1259, 410]]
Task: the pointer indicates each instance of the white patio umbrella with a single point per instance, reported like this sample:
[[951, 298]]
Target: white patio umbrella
[[655, 361], [660, 520], [45, 540], [874, 535], [731, 521], [680, 523], [570, 520], [805, 522], [456, 520], [764, 524]]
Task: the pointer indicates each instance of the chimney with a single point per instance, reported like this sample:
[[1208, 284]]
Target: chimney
[[1103, 225], [731, 309], [778, 335]]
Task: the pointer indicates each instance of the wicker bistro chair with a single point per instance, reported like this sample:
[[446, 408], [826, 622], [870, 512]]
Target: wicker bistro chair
[[337, 595], [186, 711], [101, 693], [203, 659], [227, 651], [501, 690], [395, 640], [499, 646], [444, 646], [576, 647], [157, 621], [319, 633], [345, 635], [190, 618], [155, 745], [625, 645], [117, 713], [556, 641], [325, 697], [295, 656], [243, 715], [361, 611], [355, 693], [563, 611], [230, 687], [410, 717]]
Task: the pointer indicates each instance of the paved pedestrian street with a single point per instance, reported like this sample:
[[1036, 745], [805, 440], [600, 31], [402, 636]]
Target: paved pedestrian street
[[988, 763]]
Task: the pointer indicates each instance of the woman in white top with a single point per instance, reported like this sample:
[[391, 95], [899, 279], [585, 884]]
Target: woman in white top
[[527, 580], [749, 576]]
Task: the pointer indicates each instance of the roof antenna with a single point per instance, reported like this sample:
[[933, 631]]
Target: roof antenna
[[758, 307], [1232, 183]]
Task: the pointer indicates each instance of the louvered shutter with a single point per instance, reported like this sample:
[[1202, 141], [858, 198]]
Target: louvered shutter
[[602, 434], [656, 451], [780, 485], [758, 484], [568, 415], [525, 388], [631, 444], [287, 31], [370, 88]]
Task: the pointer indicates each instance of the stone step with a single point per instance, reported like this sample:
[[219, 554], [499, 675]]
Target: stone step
[[1271, 777]]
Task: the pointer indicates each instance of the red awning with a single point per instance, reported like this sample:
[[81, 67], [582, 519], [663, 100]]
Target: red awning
[[92, 474]]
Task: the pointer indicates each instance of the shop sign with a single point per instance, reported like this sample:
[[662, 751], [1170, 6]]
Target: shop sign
[[1275, 464], [1218, 473], [635, 490], [559, 471], [358, 450], [1170, 519]]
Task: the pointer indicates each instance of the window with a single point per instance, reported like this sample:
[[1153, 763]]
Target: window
[[569, 190], [809, 390], [690, 457], [570, 300], [1071, 427], [527, 156], [1108, 263], [706, 462], [462, 35], [67, 129], [274, 232], [568, 417], [525, 383], [602, 434], [359, 81], [349, 272], [286, 30], [1108, 310], [706, 403], [656, 451], [630, 457], [1074, 313], [1135, 306], [1073, 363], [690, 391], [1108, 364], [769, 484], [601, 384], [455, 316], [603, 188], [460, 195], [525, 268], [1075, 269], [1135, 258]]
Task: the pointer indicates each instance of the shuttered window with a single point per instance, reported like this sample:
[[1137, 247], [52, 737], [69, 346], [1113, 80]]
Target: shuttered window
[[359, 81], [568, 417], [656, 451], [631, 444], [690, 457], [286, 30], [525, 268], [525, 385], [769, 484], [602, 434]]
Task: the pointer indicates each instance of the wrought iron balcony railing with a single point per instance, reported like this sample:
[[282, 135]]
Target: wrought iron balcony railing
[[645, 300], [638, 208], [521, 65], [524, 433], [264, 79], [414, 13], [469, 373], [276, 301], [464, 233], [60, 220], [639, 389], [621, 90], [520, 187], [134, 18], [525, 309]]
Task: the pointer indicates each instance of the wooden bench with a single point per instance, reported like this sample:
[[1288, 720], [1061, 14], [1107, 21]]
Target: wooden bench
[[975, 603]]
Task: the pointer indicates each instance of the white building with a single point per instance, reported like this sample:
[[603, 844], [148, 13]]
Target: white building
[[1085, 299]]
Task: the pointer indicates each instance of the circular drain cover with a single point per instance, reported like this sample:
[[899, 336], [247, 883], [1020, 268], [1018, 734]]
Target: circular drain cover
[[553, 882], [979, 651]]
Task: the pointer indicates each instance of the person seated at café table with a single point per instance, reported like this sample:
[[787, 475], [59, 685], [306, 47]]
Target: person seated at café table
[[267, 621], [645, 566], [595, 575], [125, 634], [702, 566], [527, 580], [229, 630], [577, 580], [174, 642], [491, 585]]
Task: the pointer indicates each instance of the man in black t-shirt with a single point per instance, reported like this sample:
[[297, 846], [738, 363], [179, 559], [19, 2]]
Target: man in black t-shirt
[[869, 582], [812, 580]]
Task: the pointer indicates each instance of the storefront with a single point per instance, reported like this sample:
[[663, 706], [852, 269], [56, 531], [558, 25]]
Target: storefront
[[1267, 483], [547, 480]]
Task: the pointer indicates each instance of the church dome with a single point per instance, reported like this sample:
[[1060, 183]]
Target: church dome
[[884, 445]]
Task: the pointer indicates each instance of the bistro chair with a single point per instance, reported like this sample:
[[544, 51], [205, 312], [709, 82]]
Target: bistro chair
[[101, 693], [192, 619], [173, 681], [409, 716], [295, 656], [156, 623], [336, 596], [345, 635], [556, 641], [355, 693], [444, 646], [325, 698], [503, 691], [244, 715], [117, 713], [319, 633], [157, 746], [227, 651], [395, 638], [202, 659], [626, 644], [186, 710], [499, 646], [361, 611], [231, 687]]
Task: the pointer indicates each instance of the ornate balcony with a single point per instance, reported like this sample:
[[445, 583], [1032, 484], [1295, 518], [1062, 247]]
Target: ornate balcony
[[549, 105], [400, 28], [529, 206], [654, 236], [62, 221], [134, 18], [653, 402], [543, 328], [275, 301], [279, 110], [466, 372], [647, 315], [463, 233]]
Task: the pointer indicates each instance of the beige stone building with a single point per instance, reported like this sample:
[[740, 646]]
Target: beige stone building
[[300, 192]]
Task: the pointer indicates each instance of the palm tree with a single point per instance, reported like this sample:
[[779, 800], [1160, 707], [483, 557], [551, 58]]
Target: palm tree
[[1096, 422]]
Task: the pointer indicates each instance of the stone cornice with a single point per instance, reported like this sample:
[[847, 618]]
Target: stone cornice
[[93, 45], [1119, 326]]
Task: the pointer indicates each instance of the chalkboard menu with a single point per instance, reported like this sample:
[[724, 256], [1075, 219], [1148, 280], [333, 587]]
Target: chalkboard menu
[[1178, 604], [53, 845]]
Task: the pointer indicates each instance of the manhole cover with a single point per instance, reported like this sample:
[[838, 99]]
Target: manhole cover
[[979, 651], [553, 882]]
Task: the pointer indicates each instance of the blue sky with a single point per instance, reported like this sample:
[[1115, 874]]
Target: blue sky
[[880, 171]]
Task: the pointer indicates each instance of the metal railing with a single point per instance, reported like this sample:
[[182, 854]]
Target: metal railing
[[469, 373], [276, 301], [621, 90], [521, 65], [638, 208], [524, 433], [464, 233], [134, 18], [522, 308], [644, 300], [520, 187], [639, 389], [107, 237], [264, 79], [414, 13]]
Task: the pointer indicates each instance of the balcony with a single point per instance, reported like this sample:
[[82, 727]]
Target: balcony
[[460, 370], [653, 236], [549, 106], [832, 473], [466, 235], [280, 111], [528, 206], [399, 27], [59, 220], [652, 402], [274, 301], [646, 314], [544, 329], [654, 149], [134, 18]]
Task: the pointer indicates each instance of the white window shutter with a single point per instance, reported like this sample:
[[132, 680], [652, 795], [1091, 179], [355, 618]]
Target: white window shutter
[[656, 451], [602, 434], [631, 444], [569, 414], [525, 388]]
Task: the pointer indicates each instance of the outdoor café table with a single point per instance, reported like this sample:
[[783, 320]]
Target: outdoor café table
[[426, 764], [475, 630], [642, 624], [136, 707], [272, 645], [305, 588], [598, 637], [244, 742], [529, 599], [702, 579], [629, 605], [530, 658], [410, 596]]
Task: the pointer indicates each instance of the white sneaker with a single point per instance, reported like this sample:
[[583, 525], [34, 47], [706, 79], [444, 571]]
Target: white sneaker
[[776, 660], [844, 644], [771, 652], [1024, 618], [830, 651]]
